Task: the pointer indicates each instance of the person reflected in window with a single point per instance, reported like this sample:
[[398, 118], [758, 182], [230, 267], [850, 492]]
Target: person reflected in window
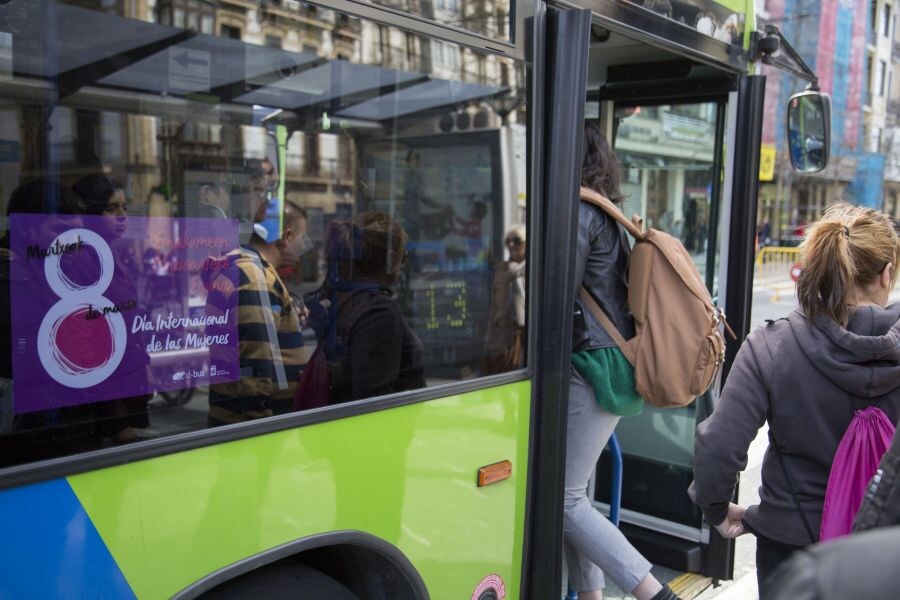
[[125, 418], [371, 350], [471, 228], [215, 198], [436, 221], [504, 347], [601, 388], [270, 341]]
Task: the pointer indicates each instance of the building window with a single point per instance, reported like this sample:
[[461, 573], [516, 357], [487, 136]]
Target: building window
[[230, 32], [874, 139], [447, 54], [192, 14], [870, 73], [886, 20], [273, 41], [881, 77]]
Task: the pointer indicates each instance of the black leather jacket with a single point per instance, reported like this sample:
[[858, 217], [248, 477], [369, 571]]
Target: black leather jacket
[[601, 262]]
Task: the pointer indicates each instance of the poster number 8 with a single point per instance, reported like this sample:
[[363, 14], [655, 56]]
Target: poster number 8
[[74, 301]]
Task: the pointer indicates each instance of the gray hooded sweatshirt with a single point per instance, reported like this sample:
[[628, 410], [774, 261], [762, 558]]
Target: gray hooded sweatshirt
[[812, 376]]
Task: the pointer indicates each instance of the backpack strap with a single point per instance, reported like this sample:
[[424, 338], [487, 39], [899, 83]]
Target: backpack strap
[[607, 323], [606, 205]]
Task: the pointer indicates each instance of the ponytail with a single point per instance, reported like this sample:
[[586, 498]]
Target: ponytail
[[847, 248], [827, 275]]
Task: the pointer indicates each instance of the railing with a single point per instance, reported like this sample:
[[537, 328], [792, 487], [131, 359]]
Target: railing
[[777, 269]]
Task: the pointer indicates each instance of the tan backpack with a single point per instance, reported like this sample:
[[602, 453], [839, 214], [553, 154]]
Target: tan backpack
[[678, 347]]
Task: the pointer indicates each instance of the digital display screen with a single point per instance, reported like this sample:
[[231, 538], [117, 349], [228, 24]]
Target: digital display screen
[[448, 198]]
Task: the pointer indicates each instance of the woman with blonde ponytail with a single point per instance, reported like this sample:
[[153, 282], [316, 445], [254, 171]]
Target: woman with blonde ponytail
[[805, 375]]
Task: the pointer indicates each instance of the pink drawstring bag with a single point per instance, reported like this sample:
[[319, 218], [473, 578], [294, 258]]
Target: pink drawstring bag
[[863, 445]]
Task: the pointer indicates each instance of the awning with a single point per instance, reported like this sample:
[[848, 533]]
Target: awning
[[90, 49], [425, 96]]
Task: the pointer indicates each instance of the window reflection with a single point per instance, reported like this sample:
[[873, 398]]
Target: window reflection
[[668, 154], [489, 18], [231, 157]]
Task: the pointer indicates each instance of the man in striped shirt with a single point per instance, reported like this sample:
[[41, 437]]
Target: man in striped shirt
[[270, 342]]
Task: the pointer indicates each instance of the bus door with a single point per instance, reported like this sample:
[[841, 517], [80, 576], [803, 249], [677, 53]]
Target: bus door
[[670, 115]]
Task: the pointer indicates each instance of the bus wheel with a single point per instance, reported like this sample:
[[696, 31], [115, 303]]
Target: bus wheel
[[282, 581]]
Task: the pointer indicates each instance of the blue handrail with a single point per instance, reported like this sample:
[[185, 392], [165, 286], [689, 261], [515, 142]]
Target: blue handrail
[[615, 493]]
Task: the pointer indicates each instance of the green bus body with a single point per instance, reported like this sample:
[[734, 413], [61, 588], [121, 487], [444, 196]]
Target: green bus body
[[406, 475]]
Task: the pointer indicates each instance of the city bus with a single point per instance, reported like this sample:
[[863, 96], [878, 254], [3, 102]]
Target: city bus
[[149, 150]]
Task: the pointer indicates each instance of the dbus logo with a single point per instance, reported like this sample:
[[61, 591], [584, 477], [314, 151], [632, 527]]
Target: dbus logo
[[77, 347]]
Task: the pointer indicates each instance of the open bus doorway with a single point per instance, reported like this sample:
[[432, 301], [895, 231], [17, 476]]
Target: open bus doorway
[[665, 116]]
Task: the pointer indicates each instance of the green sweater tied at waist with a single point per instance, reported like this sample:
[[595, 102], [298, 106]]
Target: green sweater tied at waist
[[612, 377]]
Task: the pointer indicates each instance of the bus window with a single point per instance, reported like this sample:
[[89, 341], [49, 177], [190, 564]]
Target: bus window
[[191, 218], [492, 19], [668, 155]]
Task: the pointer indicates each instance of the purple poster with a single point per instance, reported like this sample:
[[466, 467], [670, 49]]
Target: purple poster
[[106, 308]]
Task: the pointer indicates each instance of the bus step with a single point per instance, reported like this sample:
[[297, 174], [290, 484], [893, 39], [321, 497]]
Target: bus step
[[690, 585]]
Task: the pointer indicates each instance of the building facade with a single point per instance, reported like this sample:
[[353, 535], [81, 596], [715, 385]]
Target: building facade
[[849, 44], [153, 157]]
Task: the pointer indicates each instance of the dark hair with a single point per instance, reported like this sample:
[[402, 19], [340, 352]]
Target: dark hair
[[95, 190], [849, 246], [44, 196], [371, 246], [293, 212], [600, 169]]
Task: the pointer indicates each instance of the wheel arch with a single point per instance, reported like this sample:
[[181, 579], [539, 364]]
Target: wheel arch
[[342, 555]]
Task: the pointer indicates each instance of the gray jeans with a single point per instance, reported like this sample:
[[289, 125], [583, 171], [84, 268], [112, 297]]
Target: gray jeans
[[593, 544]]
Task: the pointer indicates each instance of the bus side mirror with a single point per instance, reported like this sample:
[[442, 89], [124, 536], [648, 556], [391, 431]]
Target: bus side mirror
[[809, 131]]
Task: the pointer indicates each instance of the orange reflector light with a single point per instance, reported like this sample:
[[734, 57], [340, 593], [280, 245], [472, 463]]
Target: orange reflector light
[[494, 473]]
